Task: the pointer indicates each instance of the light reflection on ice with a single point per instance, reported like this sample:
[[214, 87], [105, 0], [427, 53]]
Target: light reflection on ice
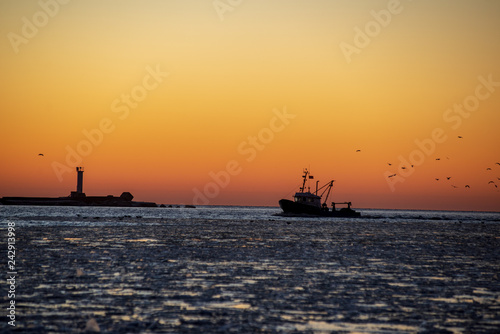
[[102, 216], [322, 326], [350, 281], [228, 305]]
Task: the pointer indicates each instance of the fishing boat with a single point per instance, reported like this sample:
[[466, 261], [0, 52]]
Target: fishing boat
[[307, 203]]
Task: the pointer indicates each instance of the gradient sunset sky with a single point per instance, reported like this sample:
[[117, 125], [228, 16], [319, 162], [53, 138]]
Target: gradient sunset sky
[[170, 99]]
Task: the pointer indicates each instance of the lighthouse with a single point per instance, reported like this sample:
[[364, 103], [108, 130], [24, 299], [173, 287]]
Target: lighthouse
[[79, 184], [79, 180]]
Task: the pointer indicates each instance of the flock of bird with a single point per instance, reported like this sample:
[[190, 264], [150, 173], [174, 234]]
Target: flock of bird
[[448, 178]]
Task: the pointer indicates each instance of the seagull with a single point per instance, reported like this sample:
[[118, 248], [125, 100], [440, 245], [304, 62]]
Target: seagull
[[497, 163], [403, 167], [358, 150], [389, 164], [438, 159], [491, 182], [448, 177], [460, 137], [40, 154], [437, 179], [467, 186], [392, 175]]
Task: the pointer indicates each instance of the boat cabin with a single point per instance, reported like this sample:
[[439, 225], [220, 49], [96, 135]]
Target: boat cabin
[[308, 199]]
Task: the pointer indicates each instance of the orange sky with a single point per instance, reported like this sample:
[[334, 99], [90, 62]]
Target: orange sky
[[225, 102]]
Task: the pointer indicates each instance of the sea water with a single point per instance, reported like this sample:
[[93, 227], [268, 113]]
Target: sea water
[[96, 216], [248, 269]]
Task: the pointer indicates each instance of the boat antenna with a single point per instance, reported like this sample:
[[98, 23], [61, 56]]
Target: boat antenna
[[306, 172]]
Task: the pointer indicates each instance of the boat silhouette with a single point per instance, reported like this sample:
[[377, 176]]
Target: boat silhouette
[[307, 203]]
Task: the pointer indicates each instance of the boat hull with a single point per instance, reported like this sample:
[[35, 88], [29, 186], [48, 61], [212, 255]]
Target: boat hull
[[293, 208], [289, 206]]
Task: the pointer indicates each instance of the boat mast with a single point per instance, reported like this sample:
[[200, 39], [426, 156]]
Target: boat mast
[[306, 172]]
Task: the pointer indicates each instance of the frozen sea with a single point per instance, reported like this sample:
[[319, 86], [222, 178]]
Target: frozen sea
[[84, 216], [247, 269]]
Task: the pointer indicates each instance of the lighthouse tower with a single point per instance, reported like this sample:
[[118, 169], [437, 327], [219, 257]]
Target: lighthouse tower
[[79, 184]]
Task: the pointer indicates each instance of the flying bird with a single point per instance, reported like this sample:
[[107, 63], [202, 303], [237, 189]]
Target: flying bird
[[454, 186], [467, 186], [392, 175], [460, 137], [438, 159], [491, 182], [488, 168], [40, 154], [358, 150], [448, 177], [437, 179], [389, 164]]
